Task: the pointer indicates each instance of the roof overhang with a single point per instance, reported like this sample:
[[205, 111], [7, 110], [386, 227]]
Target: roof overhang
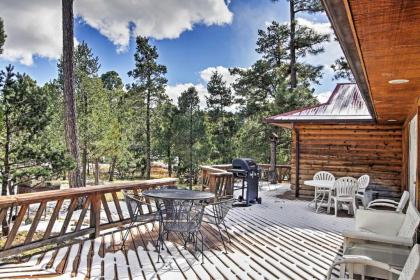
[[380, 40], [340, 18]]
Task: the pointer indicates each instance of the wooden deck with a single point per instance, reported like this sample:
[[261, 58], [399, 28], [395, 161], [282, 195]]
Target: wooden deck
[[279, 239]]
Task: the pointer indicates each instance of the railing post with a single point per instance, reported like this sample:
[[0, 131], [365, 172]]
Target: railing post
[[95, 214]]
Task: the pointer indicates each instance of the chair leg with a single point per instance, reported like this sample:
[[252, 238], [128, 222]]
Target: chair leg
[[336, 206], [221, 237], [227, 232], [329, 205]]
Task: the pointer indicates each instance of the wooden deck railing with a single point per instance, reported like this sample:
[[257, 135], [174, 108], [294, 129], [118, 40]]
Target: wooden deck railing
[[93, 200], [211, 173], [214, 178], [283, 171]]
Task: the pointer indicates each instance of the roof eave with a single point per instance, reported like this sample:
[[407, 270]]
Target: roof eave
[[340, 17]]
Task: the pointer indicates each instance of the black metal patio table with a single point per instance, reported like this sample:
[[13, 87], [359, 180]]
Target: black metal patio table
[[180, 211]]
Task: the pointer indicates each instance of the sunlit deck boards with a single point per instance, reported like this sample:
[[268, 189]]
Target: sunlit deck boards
[[277, 239]]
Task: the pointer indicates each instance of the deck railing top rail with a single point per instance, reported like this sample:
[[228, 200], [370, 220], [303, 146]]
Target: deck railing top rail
[[18, 199]]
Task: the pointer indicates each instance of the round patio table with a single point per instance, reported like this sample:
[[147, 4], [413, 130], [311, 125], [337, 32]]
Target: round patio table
[[181, 211], [319, 184]]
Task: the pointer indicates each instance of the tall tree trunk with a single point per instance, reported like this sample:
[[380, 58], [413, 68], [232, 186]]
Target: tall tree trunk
[[6, 173], [148, 161], [75, 179], [169, 156], [293, 78], [112, 168], [191, 147], [84, 164], [96, 171]]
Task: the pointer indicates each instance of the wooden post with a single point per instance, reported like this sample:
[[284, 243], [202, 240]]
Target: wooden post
[[273, 158], [297, 155], [95, 214]]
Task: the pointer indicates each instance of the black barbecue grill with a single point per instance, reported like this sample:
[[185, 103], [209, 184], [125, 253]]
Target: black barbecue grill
[[247, 171]]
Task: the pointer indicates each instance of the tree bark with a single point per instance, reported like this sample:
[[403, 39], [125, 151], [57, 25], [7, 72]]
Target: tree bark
[[148, 161], [97, 171], [84, 164], [70, 126], [6, 171], [112, 169], [191, 147], [293, 77], [273, 160]]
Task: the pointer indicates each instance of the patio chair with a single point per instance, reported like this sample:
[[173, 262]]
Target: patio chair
[[182, 217], [384, 228], [395, 205], [217, 214], [360, 193], [139, 210], [324, 193], [343, 192], [374, 262]]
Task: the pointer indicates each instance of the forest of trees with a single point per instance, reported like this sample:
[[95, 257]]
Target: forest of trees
[[130, 126]]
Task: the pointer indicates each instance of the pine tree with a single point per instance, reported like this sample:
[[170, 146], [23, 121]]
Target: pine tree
[[188, 107], [342, 70], [221, 124], [27, 152], [274, 45], [295, 7], [2, 36], [149, 80]]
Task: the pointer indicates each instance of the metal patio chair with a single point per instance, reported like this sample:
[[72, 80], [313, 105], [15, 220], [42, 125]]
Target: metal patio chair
[[140, 211], [216, 216], [182, 217]]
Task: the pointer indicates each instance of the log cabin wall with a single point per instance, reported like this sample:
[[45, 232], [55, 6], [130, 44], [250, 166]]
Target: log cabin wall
[[350, 150]]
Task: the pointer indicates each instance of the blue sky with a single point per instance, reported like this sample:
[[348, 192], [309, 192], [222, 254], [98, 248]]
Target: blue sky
[[213, 34]]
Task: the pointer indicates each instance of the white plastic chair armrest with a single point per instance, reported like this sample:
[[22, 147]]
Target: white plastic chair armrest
[[364, 261], [369, 236], [381, 204], [382, 200]]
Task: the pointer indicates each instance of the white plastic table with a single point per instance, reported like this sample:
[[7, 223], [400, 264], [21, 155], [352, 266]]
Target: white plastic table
[[318, 184]]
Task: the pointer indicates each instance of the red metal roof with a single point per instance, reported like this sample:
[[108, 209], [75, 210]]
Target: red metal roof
[[345, 104]]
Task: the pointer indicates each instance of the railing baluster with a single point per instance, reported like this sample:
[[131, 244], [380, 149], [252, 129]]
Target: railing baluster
[[95, 214], [117, 205], [35, 222], [15, 227], [83, 214], [106, 208], [53, 218], [66, 223]]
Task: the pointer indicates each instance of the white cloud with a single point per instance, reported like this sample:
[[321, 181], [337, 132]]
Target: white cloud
[[323, 96], [208, 72], [174, 91], [34, 27], [320, 27]]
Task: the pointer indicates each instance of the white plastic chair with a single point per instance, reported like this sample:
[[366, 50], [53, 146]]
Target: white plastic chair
[[363, 184], [324, 193], [343, 192], [386, 228], [411, 269], [397, 206]]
